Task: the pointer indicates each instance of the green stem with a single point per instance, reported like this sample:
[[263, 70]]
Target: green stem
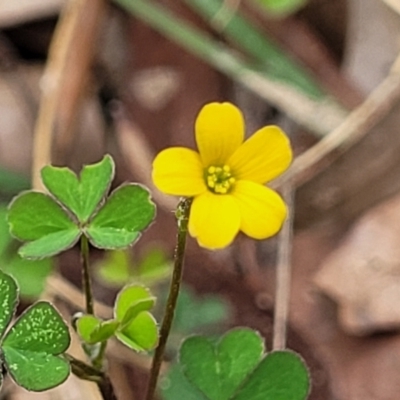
[[89, 373], [86, 282], [98, 360], [182, 215]]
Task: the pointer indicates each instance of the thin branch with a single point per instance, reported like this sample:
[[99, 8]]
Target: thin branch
[[283, 274], [360, 121], [182, 215]]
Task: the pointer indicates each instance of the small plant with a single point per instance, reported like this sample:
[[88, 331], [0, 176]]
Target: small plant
[[223, 193]]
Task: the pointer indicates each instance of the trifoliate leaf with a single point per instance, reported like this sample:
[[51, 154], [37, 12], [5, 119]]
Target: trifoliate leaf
[[83, 195], [131, 301], [128, 211], [218, 369]]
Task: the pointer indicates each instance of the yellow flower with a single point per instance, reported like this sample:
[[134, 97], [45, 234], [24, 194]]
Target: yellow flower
[[226, 177]]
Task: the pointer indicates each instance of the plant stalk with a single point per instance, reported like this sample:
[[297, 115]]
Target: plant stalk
[[86, 282], [182, 215], [89, 373]]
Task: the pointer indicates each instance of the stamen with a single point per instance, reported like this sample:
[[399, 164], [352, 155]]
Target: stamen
[[219, 179]]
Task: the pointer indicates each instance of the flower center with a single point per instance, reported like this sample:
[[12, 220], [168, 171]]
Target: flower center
[[219, 179]]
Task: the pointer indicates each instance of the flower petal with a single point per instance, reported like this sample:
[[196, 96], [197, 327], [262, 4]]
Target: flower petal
[[178, 171], [219, 132], [262, 210], [262, 157], [214, 220]]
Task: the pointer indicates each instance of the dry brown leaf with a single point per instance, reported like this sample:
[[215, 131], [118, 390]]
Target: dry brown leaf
[[362, 274]]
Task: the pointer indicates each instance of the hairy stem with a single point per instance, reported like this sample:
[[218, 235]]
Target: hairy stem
[[182, 215]]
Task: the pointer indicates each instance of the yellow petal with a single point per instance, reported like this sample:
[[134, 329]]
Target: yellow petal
[[262, 157], [178, 171], [262, 210], [219, 132], [214, 220]]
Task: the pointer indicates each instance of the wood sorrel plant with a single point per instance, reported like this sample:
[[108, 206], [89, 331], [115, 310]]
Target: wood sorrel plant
[[223, 193], [79, 209]]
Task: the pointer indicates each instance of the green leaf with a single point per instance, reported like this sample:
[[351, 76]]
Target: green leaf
[[127, 212], [32, 346], [281, 375], [281, 7], [218, 369], [141, 334], [83, 195], [51, 244], [85, 325], [8, 301], [92, 330], [114, 268], [131, 301], [33, 215]]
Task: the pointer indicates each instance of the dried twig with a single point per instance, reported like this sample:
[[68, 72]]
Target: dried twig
[[348, 133], [283, 274]]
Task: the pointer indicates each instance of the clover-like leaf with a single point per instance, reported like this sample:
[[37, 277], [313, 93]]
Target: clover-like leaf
[[131, 301], [92, 330], [281, 375], [39, 220], [233, 368], [128, 211], [141, 334], [218, 369], [83, 195], [32, 348]]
